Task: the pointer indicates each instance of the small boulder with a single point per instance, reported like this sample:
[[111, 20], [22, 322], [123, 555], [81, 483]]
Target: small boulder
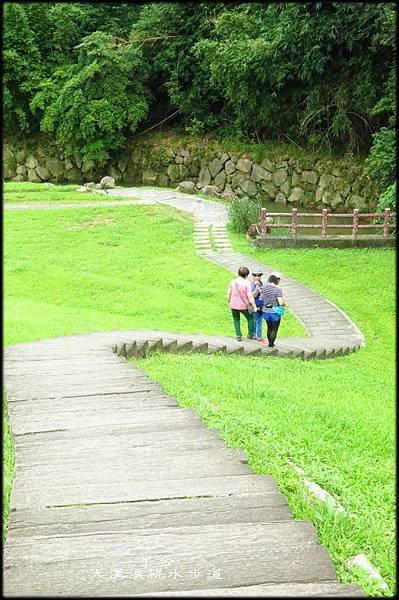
[[228, 195], [210, 190], [107, 183], [187, 187], [91, 184]]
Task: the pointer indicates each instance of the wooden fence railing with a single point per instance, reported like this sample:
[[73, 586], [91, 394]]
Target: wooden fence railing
[[324, 224]]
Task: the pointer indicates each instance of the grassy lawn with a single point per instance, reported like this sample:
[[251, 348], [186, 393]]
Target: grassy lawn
[[335, 419], [26, 192], [73, 271]]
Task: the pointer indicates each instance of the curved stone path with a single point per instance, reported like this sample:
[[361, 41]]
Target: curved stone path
[[331, 332], [120, 492]]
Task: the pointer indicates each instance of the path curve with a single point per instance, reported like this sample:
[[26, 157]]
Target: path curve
[[330, 331]]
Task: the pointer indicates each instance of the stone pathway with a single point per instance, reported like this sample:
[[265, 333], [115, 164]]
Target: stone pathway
[[119, 492], [331, 331]]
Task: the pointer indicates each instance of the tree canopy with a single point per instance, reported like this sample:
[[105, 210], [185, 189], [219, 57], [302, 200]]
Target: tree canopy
[[92, 75]]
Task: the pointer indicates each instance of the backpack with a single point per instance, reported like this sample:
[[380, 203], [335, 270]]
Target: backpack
[[258, 298]]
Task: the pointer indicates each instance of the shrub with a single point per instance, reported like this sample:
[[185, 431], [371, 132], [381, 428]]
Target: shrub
[[388, 198], [382, 158], [243, 213]]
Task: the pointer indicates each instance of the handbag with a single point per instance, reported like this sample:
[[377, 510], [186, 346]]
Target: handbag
[[280, 310], [250, 308]]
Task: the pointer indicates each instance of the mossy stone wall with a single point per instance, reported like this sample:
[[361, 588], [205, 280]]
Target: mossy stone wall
[[308, 182]]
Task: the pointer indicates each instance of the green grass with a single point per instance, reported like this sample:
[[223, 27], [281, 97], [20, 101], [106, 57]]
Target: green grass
[[26, 192], [130, 267], [105, 268], [8, 467], [333, 418]]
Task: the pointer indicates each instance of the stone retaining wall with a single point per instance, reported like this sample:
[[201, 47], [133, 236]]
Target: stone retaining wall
[[322, 183]]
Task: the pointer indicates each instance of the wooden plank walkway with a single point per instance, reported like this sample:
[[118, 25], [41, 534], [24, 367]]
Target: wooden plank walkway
[[119, 492]]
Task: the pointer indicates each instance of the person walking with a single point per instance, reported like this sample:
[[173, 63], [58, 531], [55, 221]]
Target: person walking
[[256, 285], [240, 298], [273, 303]]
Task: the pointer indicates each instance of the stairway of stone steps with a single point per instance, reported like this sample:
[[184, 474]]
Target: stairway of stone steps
[[211, 238]]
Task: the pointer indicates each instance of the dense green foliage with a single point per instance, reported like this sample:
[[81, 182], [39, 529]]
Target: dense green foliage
[[318, 73]]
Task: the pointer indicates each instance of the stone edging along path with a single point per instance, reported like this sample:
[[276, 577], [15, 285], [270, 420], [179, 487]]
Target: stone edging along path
[[331, 332]]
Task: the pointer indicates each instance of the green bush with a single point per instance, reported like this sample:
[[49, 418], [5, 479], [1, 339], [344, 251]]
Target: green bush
[[388, 198], [382, 158], [243, 213]]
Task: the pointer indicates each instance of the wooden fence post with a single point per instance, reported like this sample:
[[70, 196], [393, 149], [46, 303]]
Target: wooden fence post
[[355, 222], [263, 221], [294, 222], [324, 224], [387, 216]]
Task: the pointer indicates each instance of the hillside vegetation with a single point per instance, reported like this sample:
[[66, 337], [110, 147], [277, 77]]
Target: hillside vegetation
[[92, 75]]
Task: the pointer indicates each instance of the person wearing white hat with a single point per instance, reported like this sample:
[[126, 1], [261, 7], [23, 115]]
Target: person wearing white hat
[[256, 285], [273, 303]]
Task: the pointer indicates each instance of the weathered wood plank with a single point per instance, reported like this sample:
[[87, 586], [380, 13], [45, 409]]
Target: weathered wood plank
[[113, 429], [135, 401], [150, 393], [179, 542], [88, 389], [93, 439], [142, 457], [323, 589], [156, 521], [23, 426], [58, 381], [139, 491], [128, 473], [123, 575], [240, 508]]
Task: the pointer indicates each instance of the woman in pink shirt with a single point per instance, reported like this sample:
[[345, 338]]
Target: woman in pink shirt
[[239, 295]]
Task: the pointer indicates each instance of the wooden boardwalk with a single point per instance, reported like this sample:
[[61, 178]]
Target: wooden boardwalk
[[119, 492]]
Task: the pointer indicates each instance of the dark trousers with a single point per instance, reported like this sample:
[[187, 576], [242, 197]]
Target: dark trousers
[[236, 319], [273, 323]]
